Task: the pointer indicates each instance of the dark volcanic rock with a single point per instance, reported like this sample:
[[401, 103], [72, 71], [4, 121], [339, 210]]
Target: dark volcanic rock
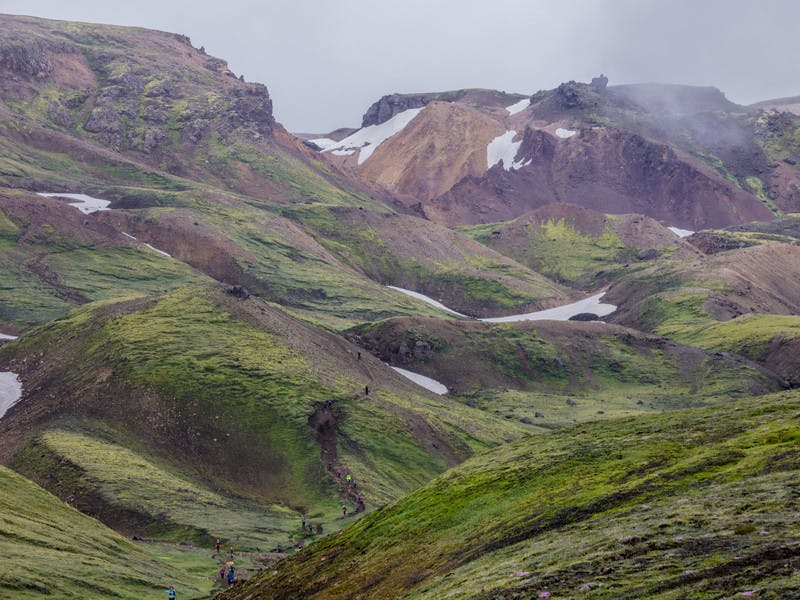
[[584, 317], [649, 254], [388, 106]]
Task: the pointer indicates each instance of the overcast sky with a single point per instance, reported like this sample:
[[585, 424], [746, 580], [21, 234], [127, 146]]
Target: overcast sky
[[326, 61]]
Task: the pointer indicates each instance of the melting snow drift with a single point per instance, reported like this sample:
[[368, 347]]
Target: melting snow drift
[[85, 204], [518, 106], [5, 336], [565, 133], [562, 313], [426, 382], [367, 139], [680, 232], [146, 245], [503, 148], [10, 390], [427, 299]]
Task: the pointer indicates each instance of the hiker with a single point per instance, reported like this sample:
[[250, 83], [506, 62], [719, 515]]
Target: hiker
[[280, 548], [221, 573], [310, 529], [344, 510], [348, 478], [366, 390], [231, 575], [217, 544], [359, 356], [171, 593], [304, 523], [338, 473], [231, 552]]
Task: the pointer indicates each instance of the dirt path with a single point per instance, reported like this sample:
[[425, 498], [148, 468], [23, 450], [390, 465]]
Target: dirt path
[[324, 421]]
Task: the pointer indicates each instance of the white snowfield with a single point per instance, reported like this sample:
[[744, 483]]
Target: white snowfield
[[5, 336], [518, 106], [343, 152], [504, 148], [427, 299], [85, 204], [591, 304], [10, 390], [365, 140], [146, 245], [680, 232], [324, 143], [426, 382], [565, 133]]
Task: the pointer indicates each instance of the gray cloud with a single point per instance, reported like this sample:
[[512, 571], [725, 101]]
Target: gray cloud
[[325, 62]]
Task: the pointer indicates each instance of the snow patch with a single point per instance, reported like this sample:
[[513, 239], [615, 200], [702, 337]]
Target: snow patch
[[85, 204], [518, 106], [562, 313], [154, 249], [323, 143], [10, 391], [343, 152], [427, 299], [565, 133], [146, 245], [5, 336], [426, 382], [504, 148], [365, 140], [680, 232]]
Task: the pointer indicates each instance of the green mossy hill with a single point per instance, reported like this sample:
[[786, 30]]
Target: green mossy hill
[[785, 230], [579, 246], [137, 496], [52, 258], [91, 105], [51, 550], [419, 255], [770, 340], [551, 373], [691, 504], [665, 298], [224, 389]]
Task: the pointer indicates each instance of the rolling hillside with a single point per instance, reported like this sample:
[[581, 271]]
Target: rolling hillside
[[214, 317]]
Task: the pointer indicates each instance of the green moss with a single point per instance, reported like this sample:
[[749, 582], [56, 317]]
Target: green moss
[[757, 186], [50, 549], [552, 513]]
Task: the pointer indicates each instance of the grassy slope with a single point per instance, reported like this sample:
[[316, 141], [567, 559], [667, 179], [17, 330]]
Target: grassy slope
[[697, 503], [557, 249], [557, 373], [50, 549], [223, 390], [47, 269]]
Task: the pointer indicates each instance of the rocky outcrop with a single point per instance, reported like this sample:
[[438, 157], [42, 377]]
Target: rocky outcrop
[[388, 106], [30, 58]]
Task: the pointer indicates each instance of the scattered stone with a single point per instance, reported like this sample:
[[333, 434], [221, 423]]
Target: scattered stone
[[570, 402], [238, 290], [649, 254], [538, 415]]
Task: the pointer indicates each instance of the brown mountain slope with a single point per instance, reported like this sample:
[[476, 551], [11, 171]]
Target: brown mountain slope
[[604, 169], [683, 155], [443, 145]]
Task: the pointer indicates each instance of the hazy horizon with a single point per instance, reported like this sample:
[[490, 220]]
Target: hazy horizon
[[325, 63]]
